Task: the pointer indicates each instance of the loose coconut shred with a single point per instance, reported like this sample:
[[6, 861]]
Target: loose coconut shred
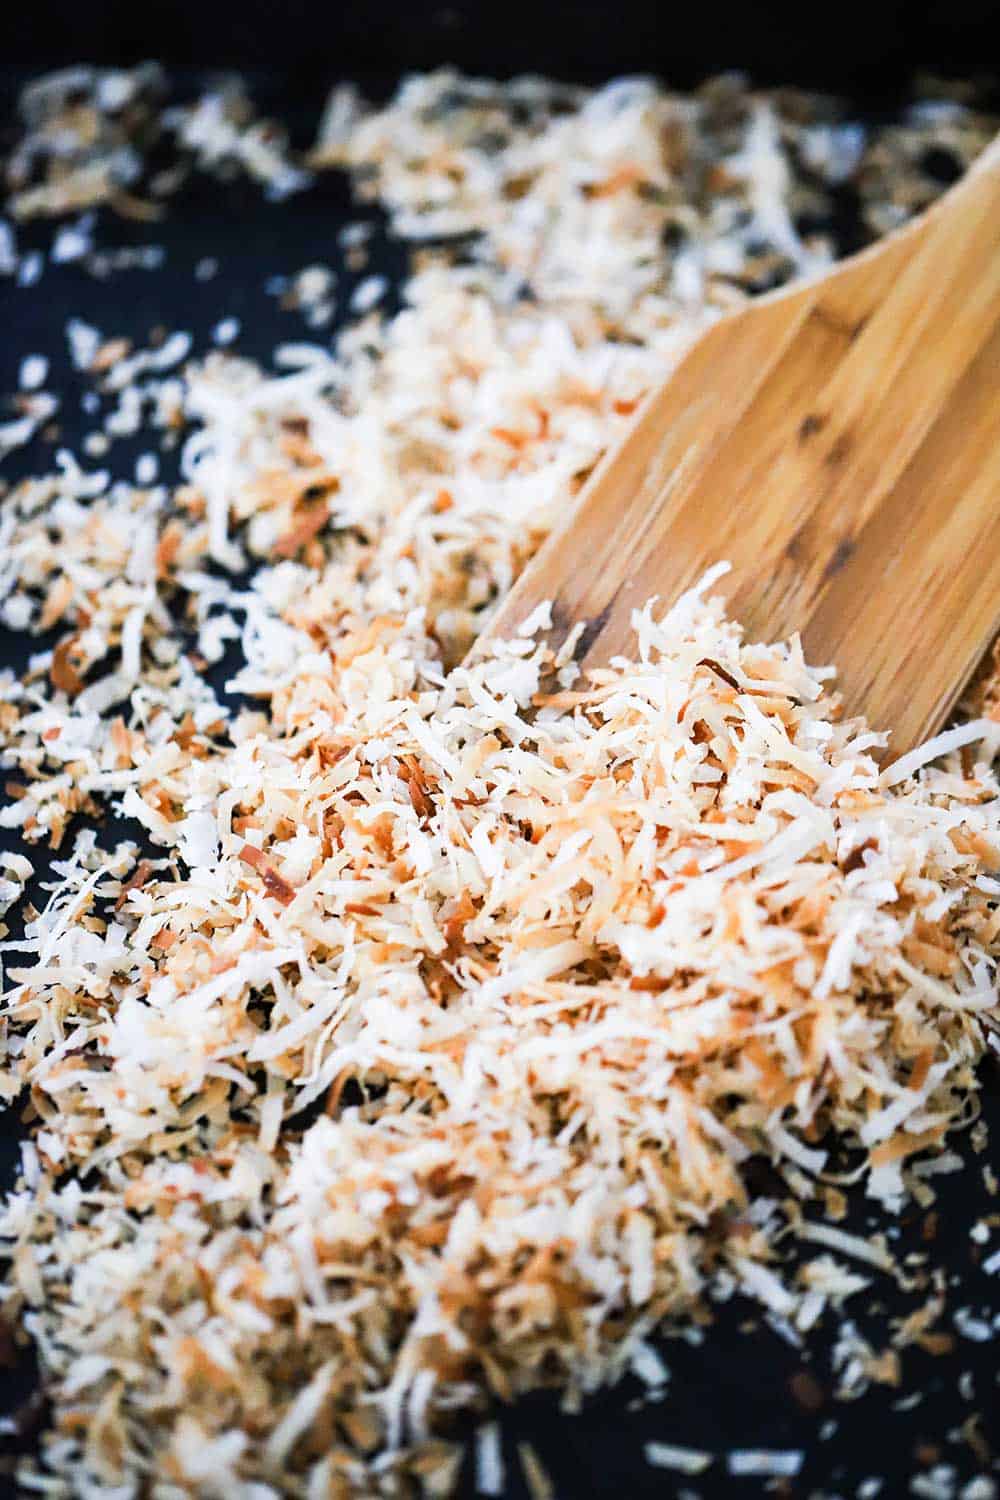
[[422, 1056]]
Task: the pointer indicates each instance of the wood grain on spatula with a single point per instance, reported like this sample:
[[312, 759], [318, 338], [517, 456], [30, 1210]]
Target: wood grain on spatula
[[839, 444]]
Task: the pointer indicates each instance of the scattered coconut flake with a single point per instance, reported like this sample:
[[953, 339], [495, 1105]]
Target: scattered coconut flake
[[368, 293], [540, 1486], [764, 1463], [674, 1456], [226, 331], [84, 341], [33, 372], [147, 467], [489, 1460]]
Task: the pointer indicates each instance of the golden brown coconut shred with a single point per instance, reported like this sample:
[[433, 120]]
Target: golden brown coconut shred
[[424, 1058]]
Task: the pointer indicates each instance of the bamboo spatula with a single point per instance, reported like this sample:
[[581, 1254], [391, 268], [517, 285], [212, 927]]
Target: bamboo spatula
[[839, 444]]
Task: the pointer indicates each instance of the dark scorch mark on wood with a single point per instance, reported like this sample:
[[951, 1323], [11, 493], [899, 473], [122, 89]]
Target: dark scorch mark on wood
[[562, 626], [843, 552], [592, 630], [810, 425], [841, 448]]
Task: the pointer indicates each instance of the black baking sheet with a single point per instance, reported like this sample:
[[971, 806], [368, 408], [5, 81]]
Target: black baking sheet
[[735, 1383]]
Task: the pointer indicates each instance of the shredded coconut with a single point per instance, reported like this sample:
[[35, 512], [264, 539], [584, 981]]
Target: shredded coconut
[[422, 1053]]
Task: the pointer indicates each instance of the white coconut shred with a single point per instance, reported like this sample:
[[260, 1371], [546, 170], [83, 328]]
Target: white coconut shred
[[421, 1059]]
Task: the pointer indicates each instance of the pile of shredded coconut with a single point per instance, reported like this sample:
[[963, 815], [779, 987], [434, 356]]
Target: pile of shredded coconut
[[420, 1055]]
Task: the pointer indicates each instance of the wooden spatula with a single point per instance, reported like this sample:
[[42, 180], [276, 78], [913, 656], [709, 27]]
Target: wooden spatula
[[839, 444]]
